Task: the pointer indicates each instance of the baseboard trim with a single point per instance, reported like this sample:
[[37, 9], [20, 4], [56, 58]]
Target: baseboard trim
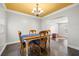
[[9, 43], [3, 49], [75, 47]]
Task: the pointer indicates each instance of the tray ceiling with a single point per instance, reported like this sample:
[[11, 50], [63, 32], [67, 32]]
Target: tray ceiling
[[27, 7]]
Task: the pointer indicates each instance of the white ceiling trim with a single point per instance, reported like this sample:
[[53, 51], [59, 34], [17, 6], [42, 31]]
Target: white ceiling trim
[[21, 13], [18, 12], [4, 6], [39, 17], [60, 10]]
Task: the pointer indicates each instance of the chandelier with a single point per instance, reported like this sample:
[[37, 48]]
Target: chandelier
[[37, 11]]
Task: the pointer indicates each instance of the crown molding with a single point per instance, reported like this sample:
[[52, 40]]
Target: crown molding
[[73, 5], [16, 12], [4, 6], [39, 17]]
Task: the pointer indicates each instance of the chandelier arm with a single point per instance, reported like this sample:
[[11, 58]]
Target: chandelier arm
[[37, 11]]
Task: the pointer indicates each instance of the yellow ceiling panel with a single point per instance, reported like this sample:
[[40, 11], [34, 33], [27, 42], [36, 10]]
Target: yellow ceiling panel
[[28, 7]]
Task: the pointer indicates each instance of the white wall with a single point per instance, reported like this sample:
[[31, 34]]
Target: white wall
[[73, 28], [18, 22], [62, 25], [2, 27], [49, 24], [52, 24]]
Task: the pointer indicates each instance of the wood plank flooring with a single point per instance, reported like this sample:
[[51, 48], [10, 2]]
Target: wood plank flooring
[[58, 48]]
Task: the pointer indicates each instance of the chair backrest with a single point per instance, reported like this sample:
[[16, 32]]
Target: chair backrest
[[43, 33], [49, 31], [32, 32], [43, 41], [19, 33]]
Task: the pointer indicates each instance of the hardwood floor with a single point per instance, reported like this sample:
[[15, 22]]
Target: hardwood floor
[[58, 48], [14, 50], [73, 52]]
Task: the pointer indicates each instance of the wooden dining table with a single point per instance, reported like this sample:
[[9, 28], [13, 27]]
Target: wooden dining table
[[30, 37]]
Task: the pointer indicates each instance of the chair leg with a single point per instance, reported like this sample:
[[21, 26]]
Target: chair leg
[[45, 45], [20, 51]]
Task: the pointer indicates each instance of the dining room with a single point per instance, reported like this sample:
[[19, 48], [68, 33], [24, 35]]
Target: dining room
[[37, 29]]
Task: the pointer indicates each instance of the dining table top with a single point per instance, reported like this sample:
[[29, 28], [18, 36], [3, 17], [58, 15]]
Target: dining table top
[[37, 36], [32, 36]]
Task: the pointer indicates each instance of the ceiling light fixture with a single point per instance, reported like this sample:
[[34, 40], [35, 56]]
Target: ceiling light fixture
[[37, 11]]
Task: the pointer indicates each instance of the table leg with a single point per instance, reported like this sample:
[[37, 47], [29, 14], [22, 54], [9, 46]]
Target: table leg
[[27, 48], [49, 45]]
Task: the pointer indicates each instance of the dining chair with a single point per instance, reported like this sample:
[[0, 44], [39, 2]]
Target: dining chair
[[49, 31], [32, 32], [35, 47], [31, 44], [34, 43], [43, 41], [22, 44]]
